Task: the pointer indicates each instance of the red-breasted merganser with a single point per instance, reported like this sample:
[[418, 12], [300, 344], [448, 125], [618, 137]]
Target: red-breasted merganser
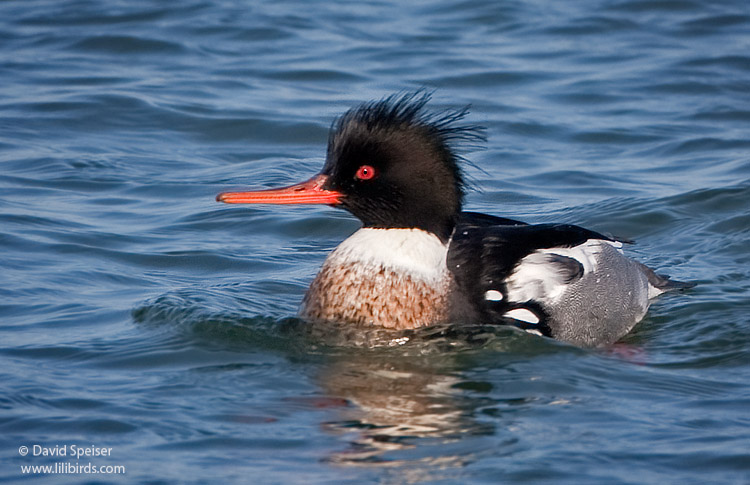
[[420, 260]]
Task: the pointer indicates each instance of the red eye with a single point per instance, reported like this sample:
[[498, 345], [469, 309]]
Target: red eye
[[366, 172]]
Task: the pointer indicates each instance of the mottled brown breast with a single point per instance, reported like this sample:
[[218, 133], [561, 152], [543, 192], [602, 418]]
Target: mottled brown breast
[[375, 296]]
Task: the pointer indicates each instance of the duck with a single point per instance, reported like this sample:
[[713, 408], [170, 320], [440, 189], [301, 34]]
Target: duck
[[420, 260]]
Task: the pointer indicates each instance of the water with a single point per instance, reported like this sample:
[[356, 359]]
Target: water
[[140, 315]]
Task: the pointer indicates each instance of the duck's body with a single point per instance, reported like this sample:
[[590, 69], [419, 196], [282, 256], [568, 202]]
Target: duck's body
[[419, 260], [587, 293]]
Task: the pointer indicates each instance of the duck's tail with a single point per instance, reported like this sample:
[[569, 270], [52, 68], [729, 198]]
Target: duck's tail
[[659, 283]]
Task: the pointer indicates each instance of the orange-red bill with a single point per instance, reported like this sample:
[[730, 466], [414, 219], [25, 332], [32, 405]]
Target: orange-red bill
[[309, 192]]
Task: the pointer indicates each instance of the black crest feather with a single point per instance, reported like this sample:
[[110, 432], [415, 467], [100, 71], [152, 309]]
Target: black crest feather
[[408, 110]]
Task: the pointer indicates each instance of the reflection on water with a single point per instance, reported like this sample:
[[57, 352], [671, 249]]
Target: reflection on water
[[409, 404], [406, 400]]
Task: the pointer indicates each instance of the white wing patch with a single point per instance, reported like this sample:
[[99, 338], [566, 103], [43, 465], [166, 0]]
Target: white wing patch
[[536, 277], [493, 295], [587, 253], [522, 315]]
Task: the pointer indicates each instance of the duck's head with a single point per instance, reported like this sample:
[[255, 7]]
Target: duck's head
[[390, 163]]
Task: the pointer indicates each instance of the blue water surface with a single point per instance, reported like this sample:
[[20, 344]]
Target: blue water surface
[[138, 314]]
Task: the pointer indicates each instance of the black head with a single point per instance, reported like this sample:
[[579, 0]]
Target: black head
[[396, 166], [390, 163]]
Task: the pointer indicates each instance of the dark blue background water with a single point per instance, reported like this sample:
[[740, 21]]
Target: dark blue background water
[[136, 313]]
